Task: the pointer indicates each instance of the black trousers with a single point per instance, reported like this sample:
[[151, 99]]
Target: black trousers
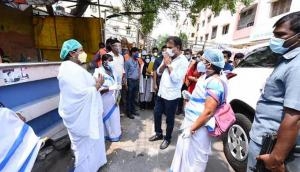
[[163, 106], [133, 86]]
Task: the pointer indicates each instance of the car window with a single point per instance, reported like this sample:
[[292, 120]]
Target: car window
[[262, 57]]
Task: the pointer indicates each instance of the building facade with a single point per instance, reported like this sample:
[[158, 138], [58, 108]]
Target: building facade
[[249, 26]]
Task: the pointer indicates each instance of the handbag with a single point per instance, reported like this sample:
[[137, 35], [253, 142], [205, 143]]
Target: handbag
[[224, 117]]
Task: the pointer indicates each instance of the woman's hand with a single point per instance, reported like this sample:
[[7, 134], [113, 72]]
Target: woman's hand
[[99, 81]]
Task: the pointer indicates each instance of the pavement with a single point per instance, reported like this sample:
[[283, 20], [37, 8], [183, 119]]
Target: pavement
[[134, 153]]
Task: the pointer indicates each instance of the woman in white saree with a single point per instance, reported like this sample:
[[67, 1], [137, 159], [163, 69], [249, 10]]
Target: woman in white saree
[[194, 144], [80, 109], [110, 92]]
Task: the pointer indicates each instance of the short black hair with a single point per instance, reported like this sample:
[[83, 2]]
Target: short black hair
[[163, 47], [106, 56], [155, 48], [177, 41], [133, 49], [294, 19], [101, 45], [227, 52], [108, 44], [238, 56], [188, 50]]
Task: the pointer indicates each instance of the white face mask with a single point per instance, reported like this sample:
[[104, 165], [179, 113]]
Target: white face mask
[[82, 57], [155, 54], [170, 52]]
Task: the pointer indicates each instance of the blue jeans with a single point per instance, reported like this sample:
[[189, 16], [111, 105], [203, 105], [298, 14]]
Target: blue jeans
[[133, 86], [167, 107], [254, 150]]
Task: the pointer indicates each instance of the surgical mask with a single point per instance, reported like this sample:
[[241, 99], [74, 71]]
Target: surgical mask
[[136, 56], [170, 52], [155, 54], [188, 57], [82, 57], [147, 60], [110, 64], [276, 45], [201, 68]]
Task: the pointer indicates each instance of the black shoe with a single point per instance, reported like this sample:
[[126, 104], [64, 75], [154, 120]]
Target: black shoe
[[136, 114], [130, 116], [179, 112], [156, 137], [164, 144]]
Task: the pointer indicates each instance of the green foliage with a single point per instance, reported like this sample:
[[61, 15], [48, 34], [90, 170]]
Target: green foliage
[[152, 7], [184, 39], [161, 41]]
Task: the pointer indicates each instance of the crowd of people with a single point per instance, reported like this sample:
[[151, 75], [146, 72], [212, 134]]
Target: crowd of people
[[195, 84], [125, 78]]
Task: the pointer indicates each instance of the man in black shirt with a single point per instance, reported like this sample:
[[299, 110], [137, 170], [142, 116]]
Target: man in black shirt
[[157, 62]]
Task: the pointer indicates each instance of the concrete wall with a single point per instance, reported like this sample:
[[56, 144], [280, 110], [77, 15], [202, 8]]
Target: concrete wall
[[16, 33]]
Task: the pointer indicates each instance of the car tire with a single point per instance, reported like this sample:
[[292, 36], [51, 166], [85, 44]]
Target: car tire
[[236, 142]]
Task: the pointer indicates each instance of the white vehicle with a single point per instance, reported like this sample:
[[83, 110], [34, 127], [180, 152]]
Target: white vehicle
[[245, 86]]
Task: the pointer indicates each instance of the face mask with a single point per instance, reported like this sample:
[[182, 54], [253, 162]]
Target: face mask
[[82, 57], [136, 56], [198, 59], [276, 45], [110, 64], [201, 68], [188, 57], [170, 52], [147, 60], [155, 54]]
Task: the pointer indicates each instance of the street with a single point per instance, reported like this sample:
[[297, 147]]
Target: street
[[135, 153]]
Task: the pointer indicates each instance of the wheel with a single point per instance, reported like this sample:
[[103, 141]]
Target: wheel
[[236, 143]]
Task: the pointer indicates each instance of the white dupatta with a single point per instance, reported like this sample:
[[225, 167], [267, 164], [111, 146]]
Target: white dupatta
[[80, 103]]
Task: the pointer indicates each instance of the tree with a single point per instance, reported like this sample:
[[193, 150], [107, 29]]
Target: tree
[[184, 39], [161, 41], [149, 8]]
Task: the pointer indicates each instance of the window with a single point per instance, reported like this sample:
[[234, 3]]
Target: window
[[261, 57], [192, 35], [225, 29], [201, 39], [198, 26], [208, 19], [214, 32], [206, 37], [247, 17], [196, 40], [203, 23], [280, 7], [116, 28]]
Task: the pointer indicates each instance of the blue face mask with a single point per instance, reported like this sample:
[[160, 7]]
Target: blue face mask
[[276, 45], [136, 55], [201, 68]]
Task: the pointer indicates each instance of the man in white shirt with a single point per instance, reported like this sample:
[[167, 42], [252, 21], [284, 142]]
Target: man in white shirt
[[118, 59], [173, 69]]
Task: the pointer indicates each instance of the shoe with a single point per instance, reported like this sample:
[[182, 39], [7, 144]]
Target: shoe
[[130, 116], [136, 114], [156, 137], [164, 144], [178, 112]]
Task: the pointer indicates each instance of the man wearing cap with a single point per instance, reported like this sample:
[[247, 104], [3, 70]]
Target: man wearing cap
[[173, 69], [81, 108]]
